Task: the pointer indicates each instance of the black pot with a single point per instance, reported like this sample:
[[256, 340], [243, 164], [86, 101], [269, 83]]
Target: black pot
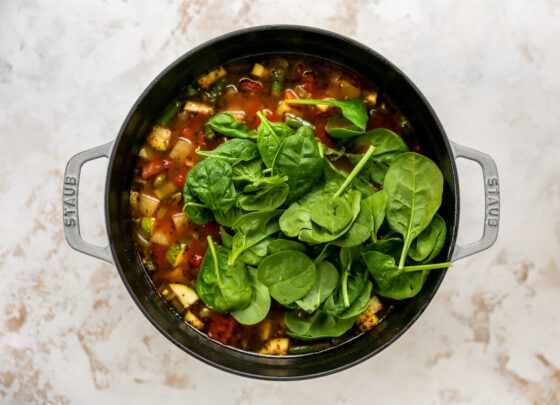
[[253, 42]]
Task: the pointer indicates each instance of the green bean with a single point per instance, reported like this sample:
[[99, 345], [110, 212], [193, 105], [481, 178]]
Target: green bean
[[309, 348], [170, 112], [277, 81], [296, 122]]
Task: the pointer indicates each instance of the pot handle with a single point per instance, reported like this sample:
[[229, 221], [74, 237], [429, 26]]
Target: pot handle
[[491, 201], [70, 202]]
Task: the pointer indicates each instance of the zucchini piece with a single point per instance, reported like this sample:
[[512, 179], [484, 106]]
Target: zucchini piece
[[147, 226], [185, 294], [193, 320], [206, 81], [176, 254], [165, 189], [159, 138]]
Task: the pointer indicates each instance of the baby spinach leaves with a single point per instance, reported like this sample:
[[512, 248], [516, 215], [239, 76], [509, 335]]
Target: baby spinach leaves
[[354, 116], [226, 124], [222, 286], [414, 186], [299, 230], [289, 275]]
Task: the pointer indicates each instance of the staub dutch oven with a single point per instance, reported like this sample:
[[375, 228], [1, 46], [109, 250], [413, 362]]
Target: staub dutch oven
[[262, 41]]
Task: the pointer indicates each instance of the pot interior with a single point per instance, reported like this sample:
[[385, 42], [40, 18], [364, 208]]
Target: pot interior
[[271, 40]]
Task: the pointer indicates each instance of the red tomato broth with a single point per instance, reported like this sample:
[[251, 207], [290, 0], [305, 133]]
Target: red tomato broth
[[245, 95]]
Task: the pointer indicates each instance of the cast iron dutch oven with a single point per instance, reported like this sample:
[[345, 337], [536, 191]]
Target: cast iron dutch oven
[[262, 41]]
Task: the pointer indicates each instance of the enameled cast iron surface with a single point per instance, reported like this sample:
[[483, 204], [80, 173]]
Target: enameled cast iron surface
[[254, 42]]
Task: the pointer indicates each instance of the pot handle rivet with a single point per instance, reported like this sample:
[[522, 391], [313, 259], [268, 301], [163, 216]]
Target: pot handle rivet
[[491, 201], [70, 202]]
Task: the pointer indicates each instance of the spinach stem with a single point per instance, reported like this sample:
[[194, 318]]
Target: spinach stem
[[195, 204], [345, 298], [355, 171], [430, 266]]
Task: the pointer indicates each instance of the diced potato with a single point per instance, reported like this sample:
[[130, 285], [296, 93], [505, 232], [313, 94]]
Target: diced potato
[[193, 320], [323, 107], [259, 71], [349, 90], [176, 254], [368, 319], [200, 108], [276, 346], [146, 152], [179, 221], [282, 108], [185, 294], [181, 150], [165, 190], [206, 81], [147, 205], [159, 138], [160, 238]]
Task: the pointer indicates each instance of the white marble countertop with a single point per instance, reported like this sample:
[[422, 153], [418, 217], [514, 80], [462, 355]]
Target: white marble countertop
[[71, 70]]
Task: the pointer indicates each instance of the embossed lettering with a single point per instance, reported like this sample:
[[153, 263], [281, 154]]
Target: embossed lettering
[[70, 192]]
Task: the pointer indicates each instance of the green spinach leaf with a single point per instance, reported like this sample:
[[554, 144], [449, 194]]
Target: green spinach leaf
[[252, 228], [354, 110], [233, 151], [318, 325], [259, 306], [414, 186], [326, 281], [211, 182], [430, 242], [226, 124], [289, 275], [299, 160], [221, 286], [270, 136]]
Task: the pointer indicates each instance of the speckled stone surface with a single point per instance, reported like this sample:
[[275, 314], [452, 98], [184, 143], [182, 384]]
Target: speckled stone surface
[[71, 70]]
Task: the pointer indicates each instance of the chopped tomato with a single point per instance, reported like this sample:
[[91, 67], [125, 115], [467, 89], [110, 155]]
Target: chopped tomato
[[222, 327], [196, 260], [289, 94], [179, 180]]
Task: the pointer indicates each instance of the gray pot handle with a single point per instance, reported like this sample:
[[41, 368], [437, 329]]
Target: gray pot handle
[[70, 202], [491, 203]]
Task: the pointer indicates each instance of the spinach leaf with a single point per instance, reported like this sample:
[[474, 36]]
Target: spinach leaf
[[211, 182], [326, 281], [414, 186], [229, 217], [233, 151], [252, 228], [289, 275], [340, 127], [395, 283], [278, 245], [354, 110], [259, 306], [226, 124], [299, 160], [270, 136], [388, 144], [264, 196], [221, 286], [430, 242], [319, 325], [194, 209]]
